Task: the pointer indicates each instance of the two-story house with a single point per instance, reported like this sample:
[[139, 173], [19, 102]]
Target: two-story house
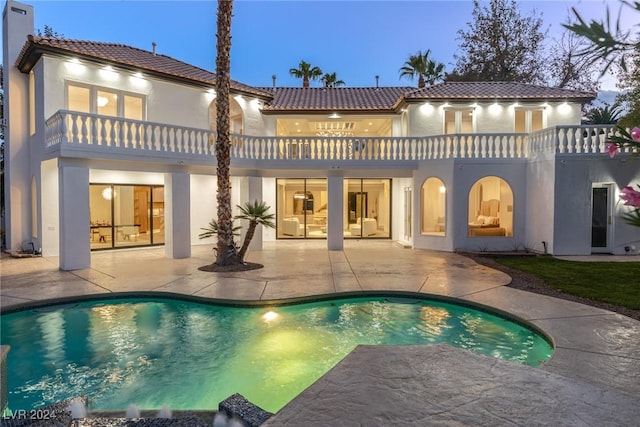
[[110, 146]]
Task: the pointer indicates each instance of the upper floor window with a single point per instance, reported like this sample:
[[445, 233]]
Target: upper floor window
[[103, 101], [458, 121], [528, 120]]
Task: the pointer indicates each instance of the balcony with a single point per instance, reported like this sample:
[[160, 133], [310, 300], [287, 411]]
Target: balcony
[[75, 134]]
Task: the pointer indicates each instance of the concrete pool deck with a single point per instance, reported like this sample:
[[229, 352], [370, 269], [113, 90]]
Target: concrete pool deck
[[594, 346]]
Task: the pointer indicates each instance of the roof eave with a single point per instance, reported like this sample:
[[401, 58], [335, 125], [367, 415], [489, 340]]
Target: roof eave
[[30, 56], [270, 111]]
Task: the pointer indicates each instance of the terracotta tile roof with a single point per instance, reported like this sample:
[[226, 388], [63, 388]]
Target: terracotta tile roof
[[291, 99], [495, 90], [123, 55]]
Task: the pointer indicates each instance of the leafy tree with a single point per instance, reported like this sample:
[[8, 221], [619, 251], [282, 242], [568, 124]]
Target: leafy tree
[[607, 42], [331, 80], [570, 70], [500, 45], [49, 33], [612, 44], [422, 66], [226, 248], [629, 82], [306, 72]]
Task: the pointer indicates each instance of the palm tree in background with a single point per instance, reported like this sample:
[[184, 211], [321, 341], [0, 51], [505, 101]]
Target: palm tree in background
[[306, 72], [226, 247], [426, 69], [331, 80], [607, 115]]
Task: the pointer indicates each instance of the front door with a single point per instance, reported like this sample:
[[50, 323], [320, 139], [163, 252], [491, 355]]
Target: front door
[[601, 218]]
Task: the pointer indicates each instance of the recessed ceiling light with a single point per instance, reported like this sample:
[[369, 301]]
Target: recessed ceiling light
[[335, 116]]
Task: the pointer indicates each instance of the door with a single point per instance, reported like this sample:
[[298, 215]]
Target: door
[[601, 218], [407, 213]]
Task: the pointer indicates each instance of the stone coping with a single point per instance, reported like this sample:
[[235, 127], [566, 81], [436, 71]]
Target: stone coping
[[421, 385]]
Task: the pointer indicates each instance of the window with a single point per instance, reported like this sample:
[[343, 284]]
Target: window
[[301, 208], [106, 102], [527, 121], [126, 215], [434, 198], [490, 208], [367, 208], [458, 121]]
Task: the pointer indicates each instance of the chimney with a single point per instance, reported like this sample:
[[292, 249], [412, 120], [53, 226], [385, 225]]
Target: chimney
[[153, 46], [273, 77], [377, 81]]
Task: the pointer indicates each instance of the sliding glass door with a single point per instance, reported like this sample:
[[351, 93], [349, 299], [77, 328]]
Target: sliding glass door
[[126, 216]]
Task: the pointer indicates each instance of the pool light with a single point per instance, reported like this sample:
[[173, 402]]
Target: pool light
[[269, 316]]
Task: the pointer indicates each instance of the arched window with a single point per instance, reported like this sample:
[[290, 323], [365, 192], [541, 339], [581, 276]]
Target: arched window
[[433, 207], [236, 122], [490, 208]]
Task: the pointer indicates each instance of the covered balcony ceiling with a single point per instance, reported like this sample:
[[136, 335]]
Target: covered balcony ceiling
[[324, 126]]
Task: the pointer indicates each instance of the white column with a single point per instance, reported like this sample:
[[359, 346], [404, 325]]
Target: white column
[[255, 193], [335, 217], [177, 215], [75, 250], [16, 25]]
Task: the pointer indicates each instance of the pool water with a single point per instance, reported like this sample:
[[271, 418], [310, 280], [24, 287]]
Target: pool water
[[189, 355]]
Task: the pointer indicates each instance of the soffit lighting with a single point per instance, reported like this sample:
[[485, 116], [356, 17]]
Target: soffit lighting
[[335, 116]]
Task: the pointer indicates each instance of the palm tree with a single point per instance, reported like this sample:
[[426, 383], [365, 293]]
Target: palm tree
[[420, 65], [227, 252], [607, 115], [306, 72], [256, 213], [435, 72], [331, 80]]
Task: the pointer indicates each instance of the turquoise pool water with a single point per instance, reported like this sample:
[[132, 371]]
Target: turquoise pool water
[[190, 355]]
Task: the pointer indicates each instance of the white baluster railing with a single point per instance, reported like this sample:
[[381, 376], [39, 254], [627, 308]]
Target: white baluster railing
[[83, 129]]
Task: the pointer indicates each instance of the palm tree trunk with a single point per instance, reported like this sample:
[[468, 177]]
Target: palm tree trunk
[[247, 239], [421, 81], [226, 246]]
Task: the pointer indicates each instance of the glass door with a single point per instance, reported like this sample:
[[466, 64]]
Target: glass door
[[601, 217]]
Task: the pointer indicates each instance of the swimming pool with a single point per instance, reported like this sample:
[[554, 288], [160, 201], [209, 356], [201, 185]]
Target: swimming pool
[[190, 355]]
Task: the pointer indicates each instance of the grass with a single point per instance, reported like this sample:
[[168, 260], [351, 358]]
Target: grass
[[610, 282]]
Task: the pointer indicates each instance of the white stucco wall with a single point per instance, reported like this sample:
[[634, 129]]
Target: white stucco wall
[[427, 118], [573, 202], [203, 206], [50, 209], [445, 171], [466, 174], [540, 194], [269, 196], [398, 209]]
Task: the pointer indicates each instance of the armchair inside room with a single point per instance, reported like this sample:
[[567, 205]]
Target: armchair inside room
[[366, 226], [292, 227]]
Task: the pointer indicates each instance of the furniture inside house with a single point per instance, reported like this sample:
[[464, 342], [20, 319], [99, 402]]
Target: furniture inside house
[[487, 223], [292, 227], [368, 227]]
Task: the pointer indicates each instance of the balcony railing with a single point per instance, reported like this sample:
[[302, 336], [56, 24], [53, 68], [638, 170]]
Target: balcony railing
[[67, 128]]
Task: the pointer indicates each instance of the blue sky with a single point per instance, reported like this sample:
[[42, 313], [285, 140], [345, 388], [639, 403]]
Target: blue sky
[[357, 39]]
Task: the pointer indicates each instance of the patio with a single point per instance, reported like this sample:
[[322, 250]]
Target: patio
[[592, 345]]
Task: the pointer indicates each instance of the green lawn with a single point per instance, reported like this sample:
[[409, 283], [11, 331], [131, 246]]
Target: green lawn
[[612, 282]]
